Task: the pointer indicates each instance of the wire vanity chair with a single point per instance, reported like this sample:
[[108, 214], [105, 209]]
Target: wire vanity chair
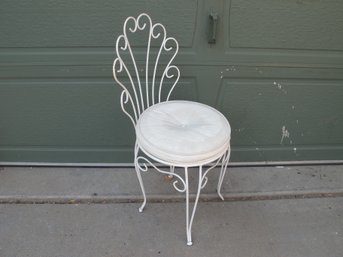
[[179, 134]]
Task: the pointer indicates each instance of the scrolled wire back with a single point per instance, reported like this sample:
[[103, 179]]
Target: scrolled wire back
[[127, 73]]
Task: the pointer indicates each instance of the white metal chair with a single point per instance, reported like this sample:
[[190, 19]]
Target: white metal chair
[[174, 133]]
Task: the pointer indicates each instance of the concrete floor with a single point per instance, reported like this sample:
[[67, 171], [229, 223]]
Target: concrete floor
[[242, 227]]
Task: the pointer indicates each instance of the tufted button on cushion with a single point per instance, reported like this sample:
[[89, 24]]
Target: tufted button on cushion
[[183, 132]]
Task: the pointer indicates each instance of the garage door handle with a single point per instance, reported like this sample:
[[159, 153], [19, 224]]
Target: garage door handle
[[213, 34]]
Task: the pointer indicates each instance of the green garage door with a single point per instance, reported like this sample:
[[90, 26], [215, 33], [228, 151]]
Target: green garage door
[[276, 72]]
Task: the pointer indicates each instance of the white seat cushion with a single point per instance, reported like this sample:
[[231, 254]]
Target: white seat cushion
[[183, 132]]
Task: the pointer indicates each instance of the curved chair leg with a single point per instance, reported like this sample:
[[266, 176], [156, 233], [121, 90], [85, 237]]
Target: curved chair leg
[[139, 178], [222, 172], [189, 219]]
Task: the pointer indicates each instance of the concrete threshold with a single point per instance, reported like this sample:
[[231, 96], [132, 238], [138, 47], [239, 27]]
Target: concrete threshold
[[67, 185], [79, 199]]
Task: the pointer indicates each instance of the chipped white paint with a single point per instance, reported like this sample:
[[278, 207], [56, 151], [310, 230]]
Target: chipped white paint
[[295, 150], [285, 134], [279, 86], [232, 68], [221, 74]]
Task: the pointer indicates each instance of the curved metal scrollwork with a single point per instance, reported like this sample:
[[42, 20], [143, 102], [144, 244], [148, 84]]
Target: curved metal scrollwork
[[143, 167], [204, 178], [124, 98], [133, 93]]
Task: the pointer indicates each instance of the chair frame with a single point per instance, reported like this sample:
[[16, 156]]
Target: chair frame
[[138, 103]]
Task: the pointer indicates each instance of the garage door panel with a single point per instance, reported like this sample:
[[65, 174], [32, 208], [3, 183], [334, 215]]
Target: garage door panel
[[41, 23], [278, 113], [284, 154], [66, 155], [69, 113], [276, 72], [268, 24]]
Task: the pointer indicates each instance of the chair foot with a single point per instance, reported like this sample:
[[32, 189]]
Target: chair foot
[[168, 178], [189, 243], [220, 195], [140, 209], [172, 170]]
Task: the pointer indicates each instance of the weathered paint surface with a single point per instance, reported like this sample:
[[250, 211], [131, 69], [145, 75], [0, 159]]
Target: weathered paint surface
[[276, 72]]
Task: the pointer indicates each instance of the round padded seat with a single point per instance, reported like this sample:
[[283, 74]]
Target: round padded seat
[[183, 132]]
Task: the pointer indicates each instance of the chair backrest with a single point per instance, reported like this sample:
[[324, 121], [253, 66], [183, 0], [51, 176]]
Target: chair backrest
[[159, 76]]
